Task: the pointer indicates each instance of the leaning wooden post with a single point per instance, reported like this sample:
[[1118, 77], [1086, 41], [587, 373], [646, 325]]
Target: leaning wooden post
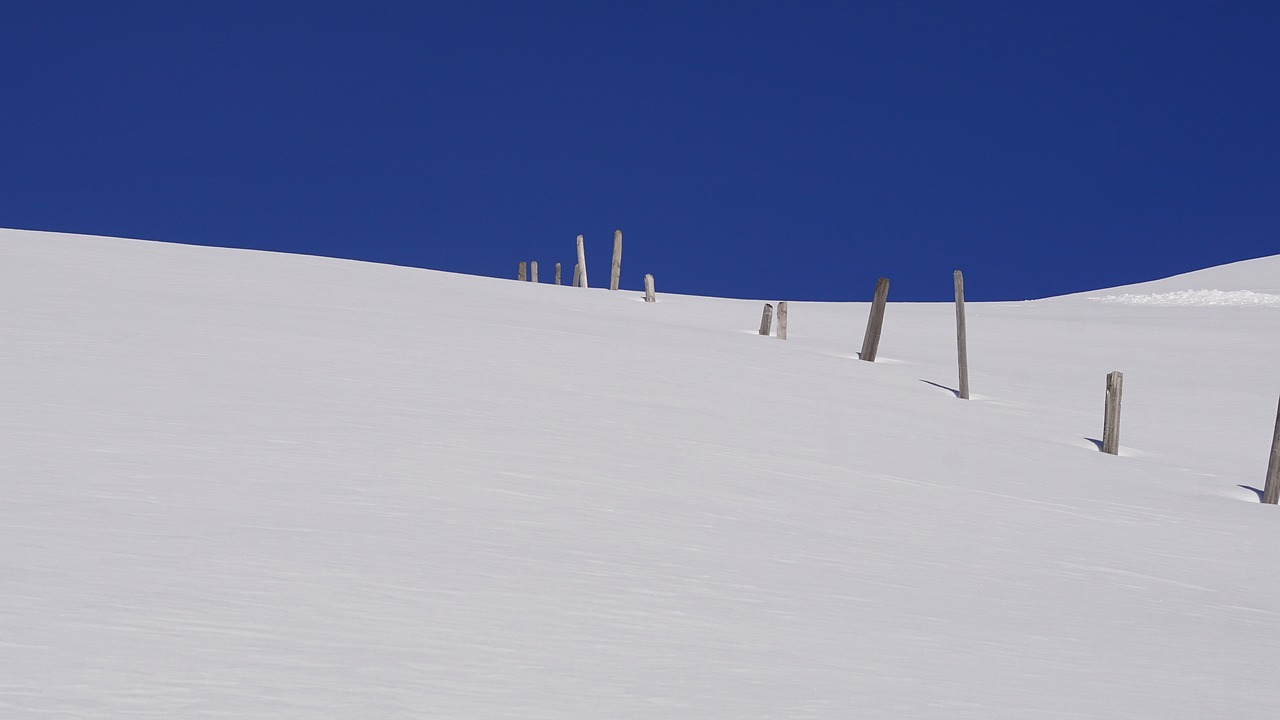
[[533, 271], [782, 320], [1111, 421], [871, 340], [520, 274], [1271, 492], [617, 260], [962, 349], [557, 273], [766, 319], [577, 275], [582, 263], [648, 288]]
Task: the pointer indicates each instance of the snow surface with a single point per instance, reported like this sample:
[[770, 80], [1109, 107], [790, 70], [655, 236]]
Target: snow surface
[[251, 485], [1193, 298], [1248, 282]]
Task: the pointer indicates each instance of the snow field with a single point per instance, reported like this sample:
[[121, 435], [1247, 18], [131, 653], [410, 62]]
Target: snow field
[[243, 484]]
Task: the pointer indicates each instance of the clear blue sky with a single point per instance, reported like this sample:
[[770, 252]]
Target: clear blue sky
[[786, 150]]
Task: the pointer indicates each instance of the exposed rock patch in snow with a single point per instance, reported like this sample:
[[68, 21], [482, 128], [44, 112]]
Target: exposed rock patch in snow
[[1194, 298]]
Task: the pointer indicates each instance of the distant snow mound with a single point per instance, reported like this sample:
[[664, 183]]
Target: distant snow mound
[[1253, 283], [1194, 298]]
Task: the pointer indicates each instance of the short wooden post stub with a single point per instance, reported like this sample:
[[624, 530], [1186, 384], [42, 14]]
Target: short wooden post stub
[[557, 273], [648, 288], [520, 273], [782, 320], [616, 271], [533, 271], [1271, 492], [582, 264], [766, 319], [875, 323], [1111, 420], [962, 350]]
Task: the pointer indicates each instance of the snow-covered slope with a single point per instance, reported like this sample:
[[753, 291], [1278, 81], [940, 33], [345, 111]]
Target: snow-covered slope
[[1249, 282], [249, 485]]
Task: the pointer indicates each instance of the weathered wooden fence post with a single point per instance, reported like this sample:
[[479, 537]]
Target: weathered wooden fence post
[[533, 271], [871, 340], [1111, 421], [577, 275], [648, 288], [782, 320], [766, 319], [617, 260], [557, 273], [520, 273], [1271, 492], [962, 349], [582, 263]]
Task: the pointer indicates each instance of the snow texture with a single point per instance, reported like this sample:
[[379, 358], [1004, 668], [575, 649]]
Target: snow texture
[[252, 485], [1193, 298]]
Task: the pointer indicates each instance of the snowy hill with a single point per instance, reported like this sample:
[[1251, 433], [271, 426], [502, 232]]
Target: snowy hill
[[251, 485], [1249, 282]]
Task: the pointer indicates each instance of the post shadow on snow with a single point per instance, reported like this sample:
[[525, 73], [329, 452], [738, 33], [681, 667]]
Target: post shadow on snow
[[953, 391], [1254, 489], [1096, 442]]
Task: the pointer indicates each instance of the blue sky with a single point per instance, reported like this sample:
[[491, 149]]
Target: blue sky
[[788, 150]]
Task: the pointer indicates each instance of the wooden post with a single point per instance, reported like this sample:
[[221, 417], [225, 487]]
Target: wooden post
[[782, 320], [577, 275], [582, 263], [648, 288], [520, 274], [533, 271], [617, 260], [962, 349], [871, 340], [766, 319], [557, 273], [1271, 492], [1111, 421]]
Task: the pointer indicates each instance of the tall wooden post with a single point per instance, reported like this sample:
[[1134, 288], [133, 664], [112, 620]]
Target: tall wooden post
[[1111, 421], [617, 260], [782, 320], [648, 288], [875, 323], [533, 271], [582, 263], [1271, 492], [766, 319], [520, 273], [962, 349], [557, 273]]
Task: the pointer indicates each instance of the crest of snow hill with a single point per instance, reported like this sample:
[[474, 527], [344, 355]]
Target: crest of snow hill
[[261, 485]]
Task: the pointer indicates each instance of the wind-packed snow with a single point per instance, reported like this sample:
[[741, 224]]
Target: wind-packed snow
[[1193, 298], [251, 485]]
